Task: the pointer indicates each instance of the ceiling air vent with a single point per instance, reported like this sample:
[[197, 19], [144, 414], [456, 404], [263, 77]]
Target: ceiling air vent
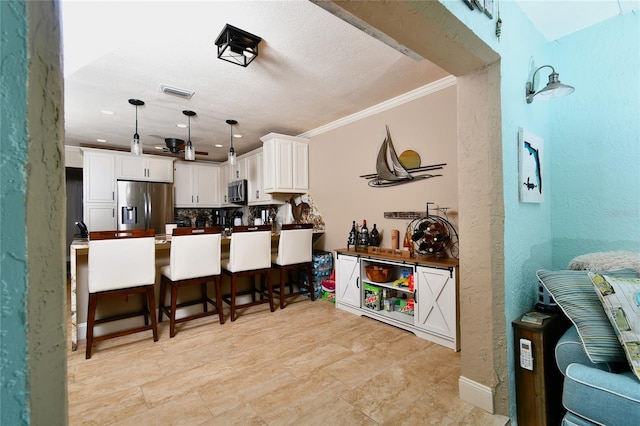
[[176, 91]]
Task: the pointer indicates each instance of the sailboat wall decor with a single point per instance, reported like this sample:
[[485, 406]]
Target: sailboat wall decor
[[396, 174]]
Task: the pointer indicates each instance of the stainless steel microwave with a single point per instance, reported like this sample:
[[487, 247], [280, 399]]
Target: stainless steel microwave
[[237, 191]]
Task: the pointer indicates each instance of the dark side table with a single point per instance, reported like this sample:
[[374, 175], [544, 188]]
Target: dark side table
[[539, 391]]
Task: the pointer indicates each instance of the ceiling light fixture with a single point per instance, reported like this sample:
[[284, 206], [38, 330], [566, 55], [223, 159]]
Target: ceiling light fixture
[[237, 46], [136, 148], [232, 152], [553, 89], [189, 152]]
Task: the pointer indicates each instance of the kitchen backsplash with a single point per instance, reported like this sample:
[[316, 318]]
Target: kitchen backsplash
[[303, 206]]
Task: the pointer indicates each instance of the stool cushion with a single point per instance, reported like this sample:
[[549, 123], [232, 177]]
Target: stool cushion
[[121, 263], [193, 256]]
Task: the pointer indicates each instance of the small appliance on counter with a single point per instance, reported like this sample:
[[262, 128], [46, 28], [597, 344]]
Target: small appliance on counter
[[182, 221], [237, 218], [201, 220]]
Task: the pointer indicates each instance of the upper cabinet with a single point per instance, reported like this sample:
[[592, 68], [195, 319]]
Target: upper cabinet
[[255, 177], [98, 176], [196, 185], [144, 167], [99, 189], [286, 163]]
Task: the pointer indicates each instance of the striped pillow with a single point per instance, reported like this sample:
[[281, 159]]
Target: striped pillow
[[573, 291]]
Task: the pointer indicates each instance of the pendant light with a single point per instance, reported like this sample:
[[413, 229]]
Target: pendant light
[[232, 152], [189, 152], [136, 148]]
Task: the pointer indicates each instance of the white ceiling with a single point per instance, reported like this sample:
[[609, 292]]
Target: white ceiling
[[312, 69], [558, 18]]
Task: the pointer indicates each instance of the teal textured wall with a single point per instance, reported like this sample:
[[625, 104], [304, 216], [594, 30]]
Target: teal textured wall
[[596, 147], [592, 147], [14, 392]]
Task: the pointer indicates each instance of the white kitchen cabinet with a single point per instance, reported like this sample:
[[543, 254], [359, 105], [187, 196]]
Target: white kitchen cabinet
[[226, 176], [347, 281], [429, 308], [144, 167], [100, 216], [98, 175], [286, 163], [196, 185], [257, 195], [98, 187]]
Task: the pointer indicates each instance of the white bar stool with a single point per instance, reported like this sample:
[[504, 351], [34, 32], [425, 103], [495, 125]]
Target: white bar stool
[[121, 263], [194, 260], [249, 255], [295, 251]]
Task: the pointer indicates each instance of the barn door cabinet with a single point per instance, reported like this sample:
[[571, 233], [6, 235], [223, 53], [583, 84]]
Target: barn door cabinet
[[428, 308]]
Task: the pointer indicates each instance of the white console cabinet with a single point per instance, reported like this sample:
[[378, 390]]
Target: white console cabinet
[[428, 307]]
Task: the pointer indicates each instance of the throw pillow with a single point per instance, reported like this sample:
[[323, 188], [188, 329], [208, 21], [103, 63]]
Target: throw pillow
[[620, 299], [573, 292]]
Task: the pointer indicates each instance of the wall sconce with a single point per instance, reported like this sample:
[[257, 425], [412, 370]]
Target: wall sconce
[[237, 46], [553, 89]]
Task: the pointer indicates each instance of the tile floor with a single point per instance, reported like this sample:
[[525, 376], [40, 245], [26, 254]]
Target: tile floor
[[308, 364]]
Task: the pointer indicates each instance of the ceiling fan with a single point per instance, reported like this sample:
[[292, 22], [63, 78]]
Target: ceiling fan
[[177, 146], [172, 146]]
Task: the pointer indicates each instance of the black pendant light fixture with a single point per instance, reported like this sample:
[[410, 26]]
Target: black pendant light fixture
[[232, 152], [189, 151], [237, 46], [136, 148]]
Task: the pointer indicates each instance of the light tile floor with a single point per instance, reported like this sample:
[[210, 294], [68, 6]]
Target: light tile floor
[[308, 364]]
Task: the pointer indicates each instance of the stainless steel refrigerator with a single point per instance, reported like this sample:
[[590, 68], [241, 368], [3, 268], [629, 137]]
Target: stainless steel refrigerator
[[144, 205]]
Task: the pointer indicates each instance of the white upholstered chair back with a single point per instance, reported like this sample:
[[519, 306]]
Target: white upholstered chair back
[[195, 252], [249, 249], [121, 259], [295, 244]]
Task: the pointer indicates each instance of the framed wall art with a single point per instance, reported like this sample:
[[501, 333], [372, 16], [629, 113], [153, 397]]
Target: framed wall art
[[530, 167]]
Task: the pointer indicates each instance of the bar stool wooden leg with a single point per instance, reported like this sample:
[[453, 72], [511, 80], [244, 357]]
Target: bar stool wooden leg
[[172, 312], [218, 285], [163, 291], [93, 300], [233, 298], [152, 308]]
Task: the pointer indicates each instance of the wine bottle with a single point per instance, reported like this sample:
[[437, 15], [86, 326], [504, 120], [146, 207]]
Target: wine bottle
[[364, 234], [374, 237], [353, 236]]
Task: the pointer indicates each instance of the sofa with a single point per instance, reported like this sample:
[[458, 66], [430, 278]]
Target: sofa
[[599, 355]]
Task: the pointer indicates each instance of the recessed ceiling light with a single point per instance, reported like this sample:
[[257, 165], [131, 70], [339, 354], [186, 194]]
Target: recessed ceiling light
[[101, 140], [237, 135], [218, 145], [107, 112], [182, 126]]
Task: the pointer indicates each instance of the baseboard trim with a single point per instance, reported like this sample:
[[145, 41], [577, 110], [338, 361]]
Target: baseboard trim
[[475, 393], [82, 331]]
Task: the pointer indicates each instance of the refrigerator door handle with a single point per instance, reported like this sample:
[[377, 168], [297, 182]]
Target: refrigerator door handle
[[147, 210]]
